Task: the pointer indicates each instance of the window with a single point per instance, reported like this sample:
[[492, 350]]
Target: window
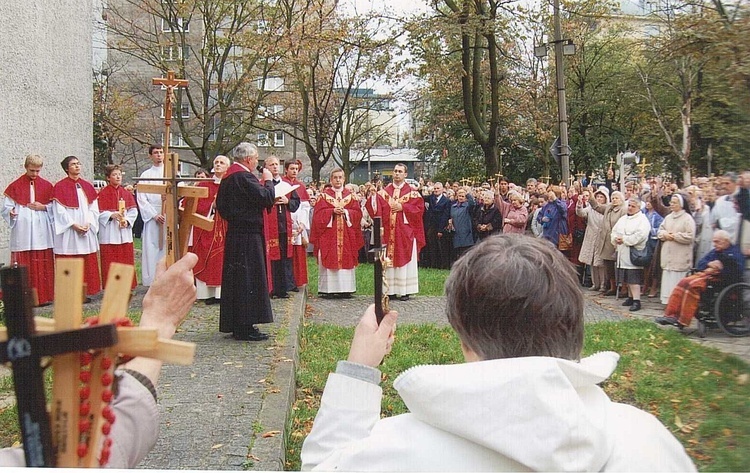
[[274, 111], [175, 24], [273, 84], [274, 139], [174, 53], [175, 140], [183, 107]]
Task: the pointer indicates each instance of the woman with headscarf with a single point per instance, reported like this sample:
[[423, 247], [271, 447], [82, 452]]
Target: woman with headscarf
[[677, 234], [612, 213], [487, 218], [591, 251], [630, 231]]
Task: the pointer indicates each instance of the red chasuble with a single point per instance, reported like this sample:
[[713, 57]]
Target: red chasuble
[[19, 190], [398, 235], [339, 244], [209, 245], [271, 229], [65, 192]]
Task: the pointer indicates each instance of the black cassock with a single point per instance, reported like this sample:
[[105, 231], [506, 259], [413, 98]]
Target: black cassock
[[241, 201]]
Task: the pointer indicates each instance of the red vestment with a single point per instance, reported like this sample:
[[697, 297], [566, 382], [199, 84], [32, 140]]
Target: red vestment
[[338, 244], [124, 253], [398, 235], [209, 245], [299, 252], [40, 263], [19, 190]]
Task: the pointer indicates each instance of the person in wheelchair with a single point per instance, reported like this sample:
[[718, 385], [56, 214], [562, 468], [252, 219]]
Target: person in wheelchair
[[720, 267]]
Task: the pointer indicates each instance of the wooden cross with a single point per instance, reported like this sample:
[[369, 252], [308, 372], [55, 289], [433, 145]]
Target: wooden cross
[[171, 84], [611, 162], [65, 415], [546, 179], [24, 348], [464, 181], [178, 221]]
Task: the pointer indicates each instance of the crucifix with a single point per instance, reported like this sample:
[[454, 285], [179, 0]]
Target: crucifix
[[24, 348], [178, 221], [59, 439]]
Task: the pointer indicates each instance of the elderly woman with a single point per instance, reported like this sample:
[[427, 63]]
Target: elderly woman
[[612, 213], [460, 222], [631, 230], [591, 252], [677, 234], [722, 265], [515, 214], [554, 216], [487, 218]]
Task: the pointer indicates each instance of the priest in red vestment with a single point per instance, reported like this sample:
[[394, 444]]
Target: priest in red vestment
[[336, 236], [300, 223], [401, 208], [117, 214], [76, 217], [208, 245], [27, 211]]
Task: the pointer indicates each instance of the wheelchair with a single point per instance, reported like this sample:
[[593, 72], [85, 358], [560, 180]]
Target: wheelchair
[[725, 307]]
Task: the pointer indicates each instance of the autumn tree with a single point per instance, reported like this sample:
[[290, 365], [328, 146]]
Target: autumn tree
[[224, 48]]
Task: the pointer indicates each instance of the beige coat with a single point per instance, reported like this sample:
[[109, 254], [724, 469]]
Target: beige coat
[[677, 255], [611, 215]]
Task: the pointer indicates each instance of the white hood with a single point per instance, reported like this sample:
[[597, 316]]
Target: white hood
[[545, 413]]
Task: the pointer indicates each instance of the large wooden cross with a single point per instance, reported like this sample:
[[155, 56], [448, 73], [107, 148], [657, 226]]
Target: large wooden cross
[[178, 221], [57, 434]]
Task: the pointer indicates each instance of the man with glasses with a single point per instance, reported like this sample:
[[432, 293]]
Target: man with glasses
[[76, 221]]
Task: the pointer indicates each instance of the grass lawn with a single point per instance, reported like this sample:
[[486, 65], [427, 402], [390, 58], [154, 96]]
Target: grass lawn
[[700, 394]]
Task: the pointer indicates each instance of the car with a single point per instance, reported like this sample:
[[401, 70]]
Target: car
[[99, 184]]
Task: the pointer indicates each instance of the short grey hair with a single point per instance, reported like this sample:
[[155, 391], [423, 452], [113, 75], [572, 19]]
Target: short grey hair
[[516, 296], [244, 150], [723, 234]]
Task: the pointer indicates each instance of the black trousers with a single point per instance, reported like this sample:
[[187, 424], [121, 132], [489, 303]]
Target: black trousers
[[282, 273]]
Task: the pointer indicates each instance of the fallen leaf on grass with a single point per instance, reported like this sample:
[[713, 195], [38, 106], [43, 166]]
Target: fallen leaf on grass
[[649, 363], [678, 422], [675, 400], [743, 379], [271, 433], [705, 373], [727, 432]]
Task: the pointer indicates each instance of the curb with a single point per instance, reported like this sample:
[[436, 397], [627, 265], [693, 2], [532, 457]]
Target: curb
[[275, 412]]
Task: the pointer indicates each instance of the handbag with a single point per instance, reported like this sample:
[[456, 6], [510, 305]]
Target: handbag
[[641, 257], [565, 242]]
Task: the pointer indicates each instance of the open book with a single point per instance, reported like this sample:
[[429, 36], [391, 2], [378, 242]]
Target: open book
[[283, 188]]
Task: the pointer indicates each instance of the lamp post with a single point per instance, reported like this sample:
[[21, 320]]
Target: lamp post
[[562, 48]]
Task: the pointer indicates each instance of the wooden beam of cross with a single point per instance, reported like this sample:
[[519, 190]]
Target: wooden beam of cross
[[24, 349], [642, 167], [170, 83], [178, 222], [130, 341]]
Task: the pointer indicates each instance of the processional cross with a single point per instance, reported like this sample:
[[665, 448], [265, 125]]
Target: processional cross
[[178, 221], [69, 435]]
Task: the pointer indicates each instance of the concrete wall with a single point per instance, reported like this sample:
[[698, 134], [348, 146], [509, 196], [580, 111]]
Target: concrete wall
[[45, 88]]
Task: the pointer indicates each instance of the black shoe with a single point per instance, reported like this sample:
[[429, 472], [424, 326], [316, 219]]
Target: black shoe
[[252, 335], [279, 296], [629, 301], [294, 289], [635, 306], [346, 295], [667, 321], [211, 301], [324, 295], [404, 298]]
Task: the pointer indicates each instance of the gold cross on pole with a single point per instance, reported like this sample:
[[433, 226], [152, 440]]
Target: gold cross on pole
[[642, 167], [170, 83]]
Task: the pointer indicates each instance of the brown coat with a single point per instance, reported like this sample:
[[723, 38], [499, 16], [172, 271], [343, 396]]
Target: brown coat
[[611, 215]]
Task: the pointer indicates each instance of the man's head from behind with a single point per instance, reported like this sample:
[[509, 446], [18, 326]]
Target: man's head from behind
[[515, 296]]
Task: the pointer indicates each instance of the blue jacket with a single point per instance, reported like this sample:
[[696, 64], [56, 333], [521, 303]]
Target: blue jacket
[[461, 214], [437, 213]]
